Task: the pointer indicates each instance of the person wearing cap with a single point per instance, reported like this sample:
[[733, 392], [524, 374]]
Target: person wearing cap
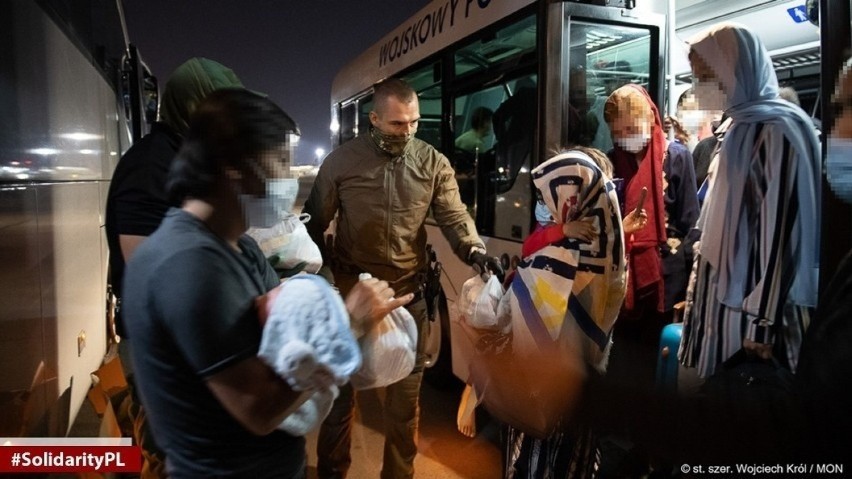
[[382, 185], [197, 292], [137, 202]]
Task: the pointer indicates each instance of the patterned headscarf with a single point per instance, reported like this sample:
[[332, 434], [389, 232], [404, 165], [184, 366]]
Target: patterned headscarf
[[570, 287]]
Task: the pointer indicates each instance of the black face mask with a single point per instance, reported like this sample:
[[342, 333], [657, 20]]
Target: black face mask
[[393, 145]]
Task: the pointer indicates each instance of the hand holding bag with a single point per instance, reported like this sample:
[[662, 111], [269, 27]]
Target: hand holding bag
[[388, 350]]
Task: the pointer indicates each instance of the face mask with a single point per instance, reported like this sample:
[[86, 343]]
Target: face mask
[[264, 212], [710, 95], [393, 145], [283, 191], [542, 213], [692, 120], [633, 143], [838, 167]]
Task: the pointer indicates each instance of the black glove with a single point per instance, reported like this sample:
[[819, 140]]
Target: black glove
[[481, 262]]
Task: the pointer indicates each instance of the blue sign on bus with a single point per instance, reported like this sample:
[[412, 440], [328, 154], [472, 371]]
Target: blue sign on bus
[[799, 13]]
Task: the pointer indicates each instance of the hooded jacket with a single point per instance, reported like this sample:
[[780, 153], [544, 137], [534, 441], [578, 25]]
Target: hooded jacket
[[137, 199]]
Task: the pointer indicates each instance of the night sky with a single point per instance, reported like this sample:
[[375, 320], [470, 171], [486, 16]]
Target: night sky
[[288, 49]]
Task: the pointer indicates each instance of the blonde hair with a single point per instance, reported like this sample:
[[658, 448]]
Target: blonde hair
[[599, 157], [627, 101]]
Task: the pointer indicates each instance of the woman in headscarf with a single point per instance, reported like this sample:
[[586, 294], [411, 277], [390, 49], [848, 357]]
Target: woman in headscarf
[[758, 264], [546, 320], [638, 156]]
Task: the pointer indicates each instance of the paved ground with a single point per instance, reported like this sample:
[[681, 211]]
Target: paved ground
[[444, 453]]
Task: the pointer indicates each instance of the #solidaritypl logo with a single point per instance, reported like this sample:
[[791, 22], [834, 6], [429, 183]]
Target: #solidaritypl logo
[[41, 455]]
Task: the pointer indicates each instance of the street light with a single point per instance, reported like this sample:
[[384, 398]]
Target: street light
[[319, 152]]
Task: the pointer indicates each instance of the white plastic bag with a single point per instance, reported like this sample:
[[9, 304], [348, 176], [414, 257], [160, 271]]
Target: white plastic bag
[[388, 350], [478, 302], [290, 242]]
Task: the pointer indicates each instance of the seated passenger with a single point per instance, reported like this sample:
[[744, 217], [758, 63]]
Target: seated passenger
[[473, 140]]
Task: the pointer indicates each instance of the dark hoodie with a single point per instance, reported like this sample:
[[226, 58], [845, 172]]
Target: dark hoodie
[[137, 199]]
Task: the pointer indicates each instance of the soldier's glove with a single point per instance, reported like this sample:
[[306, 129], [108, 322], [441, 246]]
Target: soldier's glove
[[483, 263]]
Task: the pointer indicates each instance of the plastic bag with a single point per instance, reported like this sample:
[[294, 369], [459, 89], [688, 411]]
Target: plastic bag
[[290, 243], [388, 350], [479, 301]]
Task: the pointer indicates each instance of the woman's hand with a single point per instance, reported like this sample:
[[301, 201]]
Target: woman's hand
[[763, 351], [581, 229], [634, 221]]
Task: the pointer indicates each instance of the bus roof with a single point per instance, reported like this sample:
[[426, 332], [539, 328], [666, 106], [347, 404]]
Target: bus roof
[[780, 26], [436, 26]]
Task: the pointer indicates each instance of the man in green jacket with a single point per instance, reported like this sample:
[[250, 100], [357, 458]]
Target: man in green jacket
[[382, 186]]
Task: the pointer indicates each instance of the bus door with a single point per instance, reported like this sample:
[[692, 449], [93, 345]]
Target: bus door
[[592, 51], [494, 106]]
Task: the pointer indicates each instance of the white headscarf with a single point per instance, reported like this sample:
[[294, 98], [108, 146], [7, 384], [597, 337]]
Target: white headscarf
[[743, 67]]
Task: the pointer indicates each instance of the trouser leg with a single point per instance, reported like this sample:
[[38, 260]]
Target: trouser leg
[[335, 437], [153, 458], [402, 411]]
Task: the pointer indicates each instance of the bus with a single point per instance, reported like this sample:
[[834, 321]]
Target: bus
[[543, 69], [75, 95]]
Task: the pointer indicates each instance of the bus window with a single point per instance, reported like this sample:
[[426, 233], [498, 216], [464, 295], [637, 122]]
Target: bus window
[[602, 58], [348, 122], [515, 43], [502, 171], [427, 83], [365, 106], [472, 124]]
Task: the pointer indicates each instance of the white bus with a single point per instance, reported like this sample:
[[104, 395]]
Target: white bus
[[544, 68], [74, 96]]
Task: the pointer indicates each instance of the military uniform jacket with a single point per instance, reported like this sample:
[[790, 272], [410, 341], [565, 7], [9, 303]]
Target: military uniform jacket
[[382, 204]]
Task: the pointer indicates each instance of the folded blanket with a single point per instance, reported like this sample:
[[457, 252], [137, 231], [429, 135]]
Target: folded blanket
[[310, 414], [307, 339]]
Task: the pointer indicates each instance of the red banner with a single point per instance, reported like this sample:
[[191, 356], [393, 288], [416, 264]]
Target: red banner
[[35, 459]]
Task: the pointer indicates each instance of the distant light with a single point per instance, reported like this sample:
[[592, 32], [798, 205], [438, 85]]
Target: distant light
[[319, 152], [44, 151], [80, 136], [335, 126], [86, 151], [23, 176], [113, 153]]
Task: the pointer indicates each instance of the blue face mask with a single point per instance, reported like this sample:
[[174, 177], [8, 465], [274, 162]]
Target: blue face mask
[[542, 213], [838, 167]]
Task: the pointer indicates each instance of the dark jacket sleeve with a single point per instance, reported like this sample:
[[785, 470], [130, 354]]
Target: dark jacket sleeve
[[681, 196], [322, 204]]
